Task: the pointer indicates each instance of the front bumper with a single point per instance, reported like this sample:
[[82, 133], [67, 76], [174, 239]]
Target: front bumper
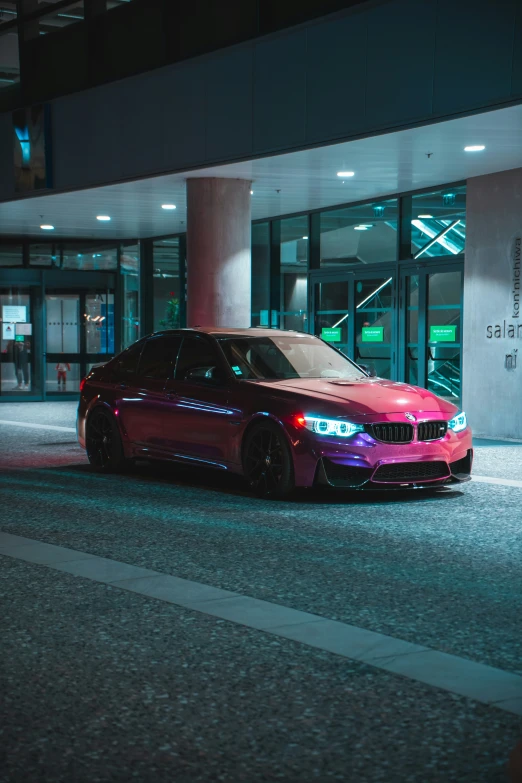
[[397, 475], [362, 462]]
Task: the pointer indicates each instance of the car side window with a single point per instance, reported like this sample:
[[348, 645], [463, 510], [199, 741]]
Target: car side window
[[158, 358], [127, 362], [199, 361]]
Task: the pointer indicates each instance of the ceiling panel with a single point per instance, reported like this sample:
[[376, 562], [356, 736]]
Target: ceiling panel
[[285, 184]]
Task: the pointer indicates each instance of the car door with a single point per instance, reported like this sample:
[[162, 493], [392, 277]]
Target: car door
[[145, 411], [205, 423]]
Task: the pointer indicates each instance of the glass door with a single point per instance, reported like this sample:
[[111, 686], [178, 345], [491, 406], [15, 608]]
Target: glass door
[[356, 313], [62, 355], [79, 334], [431, 322], [330, 308], [19, 371], [443, 337], [374, 325]]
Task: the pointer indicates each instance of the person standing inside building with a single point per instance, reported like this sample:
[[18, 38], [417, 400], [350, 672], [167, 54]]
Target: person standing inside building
[[21, 363], [62, 368]]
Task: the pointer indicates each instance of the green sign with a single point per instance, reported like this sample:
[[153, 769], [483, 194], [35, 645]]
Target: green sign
[[331, 334], [373, 334], [443, 334], [19, 338]]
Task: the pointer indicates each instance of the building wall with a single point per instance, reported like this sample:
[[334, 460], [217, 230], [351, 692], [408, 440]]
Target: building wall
[[492, 305], [375, 67]]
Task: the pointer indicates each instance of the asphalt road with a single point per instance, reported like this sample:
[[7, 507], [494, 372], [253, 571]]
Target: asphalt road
[[106, 685]]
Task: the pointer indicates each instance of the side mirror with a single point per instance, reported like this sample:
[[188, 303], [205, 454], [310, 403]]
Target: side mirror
[[212, 376]]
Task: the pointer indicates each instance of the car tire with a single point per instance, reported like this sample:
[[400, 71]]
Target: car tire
[[267, 461], [103, 443]]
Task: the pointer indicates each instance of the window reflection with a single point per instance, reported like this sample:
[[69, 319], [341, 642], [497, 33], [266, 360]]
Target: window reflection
[[439, 223], [364, 234], [167, 284], [294, 268]]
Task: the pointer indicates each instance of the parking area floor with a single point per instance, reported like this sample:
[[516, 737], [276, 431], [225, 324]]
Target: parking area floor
[[107, 680]]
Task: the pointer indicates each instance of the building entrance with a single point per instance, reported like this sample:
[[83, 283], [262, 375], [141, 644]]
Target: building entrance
[[404, 326], [51, 337]]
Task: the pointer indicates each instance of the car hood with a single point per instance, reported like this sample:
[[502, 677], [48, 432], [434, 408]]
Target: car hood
[[366, 396]]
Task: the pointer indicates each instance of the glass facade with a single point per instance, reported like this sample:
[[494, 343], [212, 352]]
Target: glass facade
[[371, 278], [438, 223], [382, 281], [261, 274], [168, 285], [130, 290], [364, 234]]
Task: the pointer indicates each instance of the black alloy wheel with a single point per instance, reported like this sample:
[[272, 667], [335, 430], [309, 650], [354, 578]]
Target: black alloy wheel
[[103, 442], [267, 461]]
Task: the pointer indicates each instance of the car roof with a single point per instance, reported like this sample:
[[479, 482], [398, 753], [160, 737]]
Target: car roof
[[253, 331]]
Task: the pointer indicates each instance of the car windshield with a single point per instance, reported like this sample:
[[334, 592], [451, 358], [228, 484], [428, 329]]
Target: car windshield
[[281, 357]]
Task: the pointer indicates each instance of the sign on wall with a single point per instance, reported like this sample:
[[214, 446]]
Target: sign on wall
[[8, 332], [14, 313], [372, 334], [331, 334], [443, 334]]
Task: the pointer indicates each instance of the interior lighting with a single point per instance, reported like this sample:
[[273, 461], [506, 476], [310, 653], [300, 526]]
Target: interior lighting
[[475, 148], [47, 227], [251, 192], [102, 217], [361, 304], [346, 174], [168, 206], [425, 217], [305, 237], [363, 227]]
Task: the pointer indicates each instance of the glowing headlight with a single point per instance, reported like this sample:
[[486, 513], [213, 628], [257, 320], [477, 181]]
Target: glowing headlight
[[342, 429], [458, 422]]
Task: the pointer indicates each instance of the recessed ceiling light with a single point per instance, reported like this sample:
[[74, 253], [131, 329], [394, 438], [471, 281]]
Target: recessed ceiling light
[[168, 206], [47, 227], [475, 148], [346, 173], [425, 217], [363, 227], [305, 237], [102, 217]]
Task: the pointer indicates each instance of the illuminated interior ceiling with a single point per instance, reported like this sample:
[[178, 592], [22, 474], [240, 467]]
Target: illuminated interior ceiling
[[294, 182]]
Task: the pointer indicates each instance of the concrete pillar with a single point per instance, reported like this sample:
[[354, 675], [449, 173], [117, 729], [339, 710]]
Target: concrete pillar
[[492, 355], [218, 252]]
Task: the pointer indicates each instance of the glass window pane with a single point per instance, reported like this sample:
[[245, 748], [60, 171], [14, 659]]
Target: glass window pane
[[374, 325], [62, 377], [130, 278], [16, 355], [55, 20], [364, 234], [9, 57], [44, 255], [444, 338], [196, 353], [331, 313], [167, 286], [62, 312], [412, 329], [158, 357], [90, 257], [127, 362], [99, 322], [260, 274], [438, 225], [11, 255], [294, 268]]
